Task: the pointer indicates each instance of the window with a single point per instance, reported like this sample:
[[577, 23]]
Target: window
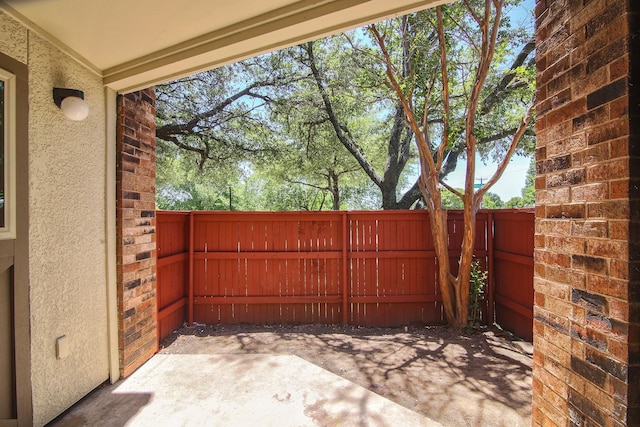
[[7, 154]]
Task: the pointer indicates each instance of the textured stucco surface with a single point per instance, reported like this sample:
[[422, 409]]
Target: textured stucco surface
[[13, 38], [67, 233]]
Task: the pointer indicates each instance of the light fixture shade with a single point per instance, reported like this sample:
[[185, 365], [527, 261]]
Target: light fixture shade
[[74, 108], [71, 102]]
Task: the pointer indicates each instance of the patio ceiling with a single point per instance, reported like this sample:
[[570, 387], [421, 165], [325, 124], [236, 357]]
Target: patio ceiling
[[135, 44]]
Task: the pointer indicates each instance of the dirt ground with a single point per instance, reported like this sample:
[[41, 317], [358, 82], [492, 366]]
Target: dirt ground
[[482, 379]]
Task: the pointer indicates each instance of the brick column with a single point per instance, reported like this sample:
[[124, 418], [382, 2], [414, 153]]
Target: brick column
[[136, 240], [633, 392], [586, 327]]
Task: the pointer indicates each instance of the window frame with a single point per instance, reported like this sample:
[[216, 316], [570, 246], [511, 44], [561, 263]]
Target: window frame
[[9, 128]]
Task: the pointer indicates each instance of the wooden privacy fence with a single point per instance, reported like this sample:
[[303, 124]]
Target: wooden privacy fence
[[512, 268], [361, 268]]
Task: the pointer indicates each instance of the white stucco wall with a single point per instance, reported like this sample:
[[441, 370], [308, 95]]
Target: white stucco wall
[[67, 230]]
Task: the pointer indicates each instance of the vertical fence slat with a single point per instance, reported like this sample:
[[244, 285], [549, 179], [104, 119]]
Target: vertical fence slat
[[490, 286], [345, 271], [191, 261]]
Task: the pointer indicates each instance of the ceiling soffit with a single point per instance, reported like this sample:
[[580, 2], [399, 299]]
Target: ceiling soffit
[[132, 54]]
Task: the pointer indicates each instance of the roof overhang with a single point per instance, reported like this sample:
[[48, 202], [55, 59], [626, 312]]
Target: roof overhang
[[136, 44]]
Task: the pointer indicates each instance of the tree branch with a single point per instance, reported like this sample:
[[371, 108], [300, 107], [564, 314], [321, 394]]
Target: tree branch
[[345, 139], [510, 75], [186, 128], [422, 145], [317, 187], [451, 189], [445, 91], [489, 36], [505, 161], [501, 135], [411, 196]]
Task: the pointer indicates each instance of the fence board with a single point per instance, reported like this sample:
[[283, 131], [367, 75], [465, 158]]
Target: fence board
[[513, 271], [365, 268], [172, 231]]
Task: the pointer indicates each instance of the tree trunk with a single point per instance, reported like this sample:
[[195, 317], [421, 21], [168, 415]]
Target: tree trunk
[[463, 279], [334, 188], [440, 236], [389, 197]]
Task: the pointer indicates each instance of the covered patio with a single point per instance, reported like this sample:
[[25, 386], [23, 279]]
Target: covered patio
[[79, 264], [312, 375]]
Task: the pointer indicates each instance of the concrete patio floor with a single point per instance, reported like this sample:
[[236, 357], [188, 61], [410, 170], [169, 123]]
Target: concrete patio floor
[[236, 390]]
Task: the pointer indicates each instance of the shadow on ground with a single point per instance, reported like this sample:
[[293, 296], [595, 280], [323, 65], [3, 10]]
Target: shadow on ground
[[483, 379], [115, 410]]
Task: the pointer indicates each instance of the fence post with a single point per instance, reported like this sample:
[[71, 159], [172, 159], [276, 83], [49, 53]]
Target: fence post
[[490, 303], [191, 251], [345, 270]]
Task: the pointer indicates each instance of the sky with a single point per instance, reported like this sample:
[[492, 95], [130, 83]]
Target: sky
[[512, 180], [508, 186]]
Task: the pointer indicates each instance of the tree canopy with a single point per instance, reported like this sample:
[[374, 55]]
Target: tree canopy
[[317, 126]]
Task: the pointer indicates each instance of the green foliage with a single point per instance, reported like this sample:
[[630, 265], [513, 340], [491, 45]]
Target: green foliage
[[450, 201], [528, 198], [345, 119], [183, 188], [492, 201], [478, 283], [265, 194], [190, 196], [508, 91]]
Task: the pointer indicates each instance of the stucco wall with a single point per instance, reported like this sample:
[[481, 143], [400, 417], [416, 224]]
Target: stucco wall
[[13, 38], [67, 247]]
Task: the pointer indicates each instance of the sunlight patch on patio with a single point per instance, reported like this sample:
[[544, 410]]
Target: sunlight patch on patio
[[236, 390]]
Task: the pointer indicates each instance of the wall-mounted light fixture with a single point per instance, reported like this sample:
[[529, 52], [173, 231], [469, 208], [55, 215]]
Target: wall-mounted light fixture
[[71, 102]]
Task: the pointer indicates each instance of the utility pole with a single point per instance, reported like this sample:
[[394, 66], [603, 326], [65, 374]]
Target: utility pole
[[477, 186]]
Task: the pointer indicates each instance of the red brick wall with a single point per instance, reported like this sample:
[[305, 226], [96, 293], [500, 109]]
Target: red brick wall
[[586, 294], [136, 222], [633, 391]]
